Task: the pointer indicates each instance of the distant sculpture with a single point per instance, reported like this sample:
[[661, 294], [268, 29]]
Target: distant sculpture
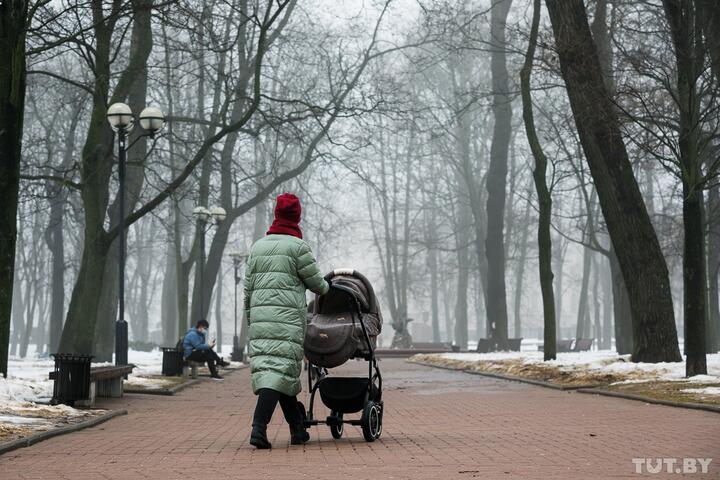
[[402, 337]]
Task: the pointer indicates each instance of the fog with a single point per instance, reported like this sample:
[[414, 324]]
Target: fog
[[400, 127]]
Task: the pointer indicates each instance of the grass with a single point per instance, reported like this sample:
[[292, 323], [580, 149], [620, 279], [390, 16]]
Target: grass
[[517, 367], [670, 391], [636, 382]]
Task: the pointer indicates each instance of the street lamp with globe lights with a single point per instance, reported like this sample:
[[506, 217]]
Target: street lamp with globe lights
[[207, 218], [122, 121], [238, 260]]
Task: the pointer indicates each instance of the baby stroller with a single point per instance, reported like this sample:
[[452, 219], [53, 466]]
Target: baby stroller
[[344, 324]]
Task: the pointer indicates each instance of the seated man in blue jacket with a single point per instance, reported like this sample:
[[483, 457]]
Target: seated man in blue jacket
[[195, 348]]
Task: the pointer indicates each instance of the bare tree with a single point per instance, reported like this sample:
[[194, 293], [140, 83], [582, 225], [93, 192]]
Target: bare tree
[[544, 197]]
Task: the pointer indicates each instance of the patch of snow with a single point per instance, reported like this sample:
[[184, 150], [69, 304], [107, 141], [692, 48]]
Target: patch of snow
[[603, 361], [13, 420], [704, 391], [149, 383], [28, 379], [147, 363], [704, 378]]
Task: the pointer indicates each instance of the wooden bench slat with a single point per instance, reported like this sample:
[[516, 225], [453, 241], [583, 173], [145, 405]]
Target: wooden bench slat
[[105, 372]]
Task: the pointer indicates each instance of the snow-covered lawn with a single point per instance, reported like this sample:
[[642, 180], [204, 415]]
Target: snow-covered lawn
[[28, 378], [704, 391], [603, 361], [23, 401], [25, 394]]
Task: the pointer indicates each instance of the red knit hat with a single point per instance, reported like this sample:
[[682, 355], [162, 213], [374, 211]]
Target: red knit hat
[[287, 216]]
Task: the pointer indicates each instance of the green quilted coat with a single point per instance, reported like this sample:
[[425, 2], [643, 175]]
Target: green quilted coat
[[279, 270]]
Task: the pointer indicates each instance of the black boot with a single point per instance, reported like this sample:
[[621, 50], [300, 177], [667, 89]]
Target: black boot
[[258, 439], [298, 435]]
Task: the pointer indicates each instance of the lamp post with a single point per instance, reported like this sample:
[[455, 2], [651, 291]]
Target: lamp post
[[206, 218], [237, 352], [121, 119]]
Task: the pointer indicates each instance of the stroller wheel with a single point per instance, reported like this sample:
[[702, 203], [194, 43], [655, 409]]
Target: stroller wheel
[[372, 421], [336, 430]]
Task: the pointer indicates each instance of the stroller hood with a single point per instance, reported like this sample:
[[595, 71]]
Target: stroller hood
[[345, 322], [355, 282]]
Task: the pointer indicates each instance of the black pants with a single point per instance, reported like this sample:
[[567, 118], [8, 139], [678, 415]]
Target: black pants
[[266, 403], [206, 356]]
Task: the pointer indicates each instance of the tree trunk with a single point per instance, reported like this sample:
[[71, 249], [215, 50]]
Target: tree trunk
[[583, 316], [709, 16], [174, 323], [597, 324], [430, 216], [559, 261], [143, 298], [607, 326], [107, 314], [447, 310], [520, 270], [694, 285], [183, 275], [30, 265], [56, 243], [17, 315], [462, 240], [621, 308], [79, 330], [79, 333], [218, 311], [55, 238], [686, 36], [13, 18], [713, 263], [638, 250], [496, 300], [168, 306], [544, 196]]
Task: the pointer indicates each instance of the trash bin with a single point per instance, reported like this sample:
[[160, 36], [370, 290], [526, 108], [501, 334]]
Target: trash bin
[[172, 364], [72, 378]]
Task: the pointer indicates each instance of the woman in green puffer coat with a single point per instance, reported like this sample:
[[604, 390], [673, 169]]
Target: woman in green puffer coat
[[280, 268]]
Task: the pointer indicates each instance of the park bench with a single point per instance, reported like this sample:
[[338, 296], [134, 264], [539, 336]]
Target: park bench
[[582, 344], [190, 369], [432, 346], [105, 381], [486, 345], [417, 348], [571, 345]]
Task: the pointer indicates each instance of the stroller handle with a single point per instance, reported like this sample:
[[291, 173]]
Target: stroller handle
[[340, 271]]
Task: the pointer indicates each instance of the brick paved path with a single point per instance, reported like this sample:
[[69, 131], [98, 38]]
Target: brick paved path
[[438, 424]]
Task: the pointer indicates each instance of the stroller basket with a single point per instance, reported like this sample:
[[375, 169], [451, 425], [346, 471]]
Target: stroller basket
[[344, 394]]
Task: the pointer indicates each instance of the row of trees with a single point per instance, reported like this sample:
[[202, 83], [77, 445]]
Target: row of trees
[[487, 141], [632, 111]]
